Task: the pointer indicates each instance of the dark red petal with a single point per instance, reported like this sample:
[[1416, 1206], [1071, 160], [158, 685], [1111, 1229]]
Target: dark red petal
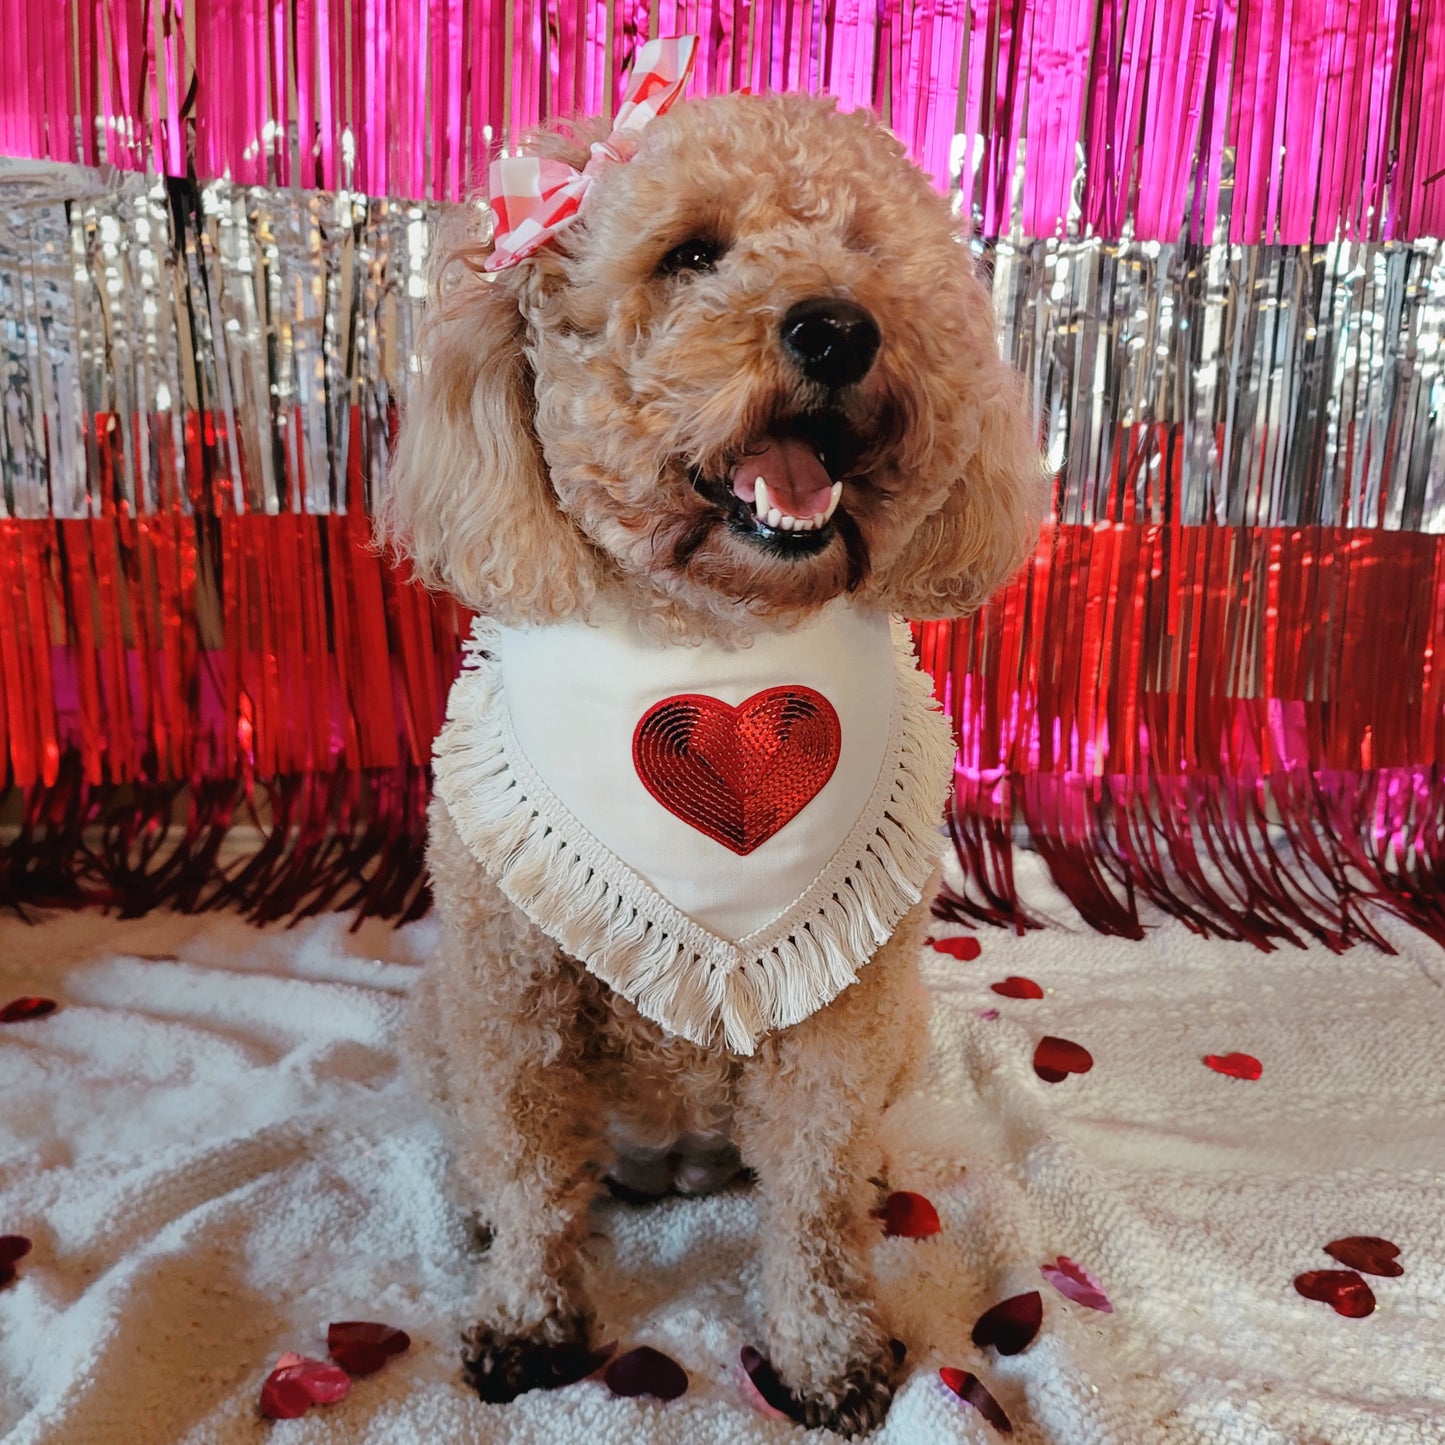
[[970, 1389], [773, 1397], [1074, 1282], [909, 1216], [1055, 1059], [1015, 987], [1342, 1289], [13, 1247], [964, 947], [1010, 1325], [27, 1008], [1367, 1253], [645, 1371], [361, 1347], [1237, 1066]]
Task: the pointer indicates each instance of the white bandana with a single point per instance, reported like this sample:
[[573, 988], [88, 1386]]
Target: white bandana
[[724, 836]]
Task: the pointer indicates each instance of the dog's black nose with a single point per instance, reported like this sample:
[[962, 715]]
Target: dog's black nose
[[832, 340]]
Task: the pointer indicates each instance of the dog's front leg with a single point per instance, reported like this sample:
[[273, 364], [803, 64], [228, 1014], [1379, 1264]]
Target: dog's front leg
[[508, 1020], [808, 1119]]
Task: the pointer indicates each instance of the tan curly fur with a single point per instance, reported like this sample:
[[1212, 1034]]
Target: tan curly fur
[[549, 461]]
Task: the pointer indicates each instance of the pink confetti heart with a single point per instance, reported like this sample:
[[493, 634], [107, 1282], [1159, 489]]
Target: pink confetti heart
[[907, 1215], [27, 1008], [965, 948], [1367, 1253], [1074, 1282], [1342, 1289], [1055, 1059], [361, 1347], [1010, 1326], [970, 1389], [1015, 987], [645, 1371], [297, 1383], [1237, 1066]]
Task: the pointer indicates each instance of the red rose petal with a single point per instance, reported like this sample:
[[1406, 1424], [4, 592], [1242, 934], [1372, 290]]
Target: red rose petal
[[1015, 987], [645, 1371], [970, 1389], [1342, 1289], [361, 1347], [965, 948], [27, 1008], [298, 1383], [1074, 1282], [13, 1247], [1237, 1066], [1367, 1253], [1010, 1325], [909, 1216], [1056, 1059]]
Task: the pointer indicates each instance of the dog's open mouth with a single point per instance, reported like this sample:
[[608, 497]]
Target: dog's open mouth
[[786, 487]]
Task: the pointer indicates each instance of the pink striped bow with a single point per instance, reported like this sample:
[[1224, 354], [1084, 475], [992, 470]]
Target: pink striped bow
[[534, 198]]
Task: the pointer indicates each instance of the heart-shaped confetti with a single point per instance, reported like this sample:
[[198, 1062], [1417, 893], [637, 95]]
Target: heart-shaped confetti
[[1055, 1059], [1010, 1325], [1015, 987], [965, 947], [645, 1371], [13, 1247], [907, 1215], [1237, 1066], [361, 1347], [297, 1383], [1074, 1282], [27, 1008], [970, 1389], [1367, 1253], [1342, 1289]]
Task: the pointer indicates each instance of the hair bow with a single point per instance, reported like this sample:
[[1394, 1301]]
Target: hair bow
[[535, 197]]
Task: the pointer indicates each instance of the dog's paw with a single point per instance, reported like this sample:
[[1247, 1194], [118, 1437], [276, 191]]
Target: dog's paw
[[499, 1367], [856, 1408]]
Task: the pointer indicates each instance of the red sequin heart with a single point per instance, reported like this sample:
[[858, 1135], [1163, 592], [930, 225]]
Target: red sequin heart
[[1015, 987], [1237, 1066], [970, 1389], [738, 774], [907, 1215], [298, 1383], [964, 947], [1367, 1253], [1010, 1325], [1056, 1059], [1342, 1289]]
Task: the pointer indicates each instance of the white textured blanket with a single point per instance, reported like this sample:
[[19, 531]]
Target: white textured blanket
[[215, 1154]]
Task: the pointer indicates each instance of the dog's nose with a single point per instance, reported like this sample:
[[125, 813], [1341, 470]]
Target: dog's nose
[[832, 340]]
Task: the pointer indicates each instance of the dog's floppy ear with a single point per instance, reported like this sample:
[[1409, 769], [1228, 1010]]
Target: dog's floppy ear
[[467, 499]]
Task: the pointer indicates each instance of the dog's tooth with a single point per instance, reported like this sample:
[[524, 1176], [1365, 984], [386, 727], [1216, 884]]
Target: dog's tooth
[[802, 524], [763, 501], [775, 517], [833, 498]]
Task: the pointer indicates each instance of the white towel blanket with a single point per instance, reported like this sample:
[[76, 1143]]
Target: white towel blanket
[[215, 1154]]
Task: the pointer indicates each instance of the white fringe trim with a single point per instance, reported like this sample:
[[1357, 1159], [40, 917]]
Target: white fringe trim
[[677, 974]]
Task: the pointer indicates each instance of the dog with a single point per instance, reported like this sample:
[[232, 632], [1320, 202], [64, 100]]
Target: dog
[[738, 406]]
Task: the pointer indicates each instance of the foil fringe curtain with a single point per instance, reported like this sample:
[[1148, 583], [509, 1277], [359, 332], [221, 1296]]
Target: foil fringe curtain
[[1209, 225]]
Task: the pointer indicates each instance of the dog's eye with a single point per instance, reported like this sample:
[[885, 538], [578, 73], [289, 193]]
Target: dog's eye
[[694, 254]]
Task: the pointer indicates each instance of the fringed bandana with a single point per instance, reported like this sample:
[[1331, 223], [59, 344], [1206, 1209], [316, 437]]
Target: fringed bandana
[[724, 837], [534, 197]]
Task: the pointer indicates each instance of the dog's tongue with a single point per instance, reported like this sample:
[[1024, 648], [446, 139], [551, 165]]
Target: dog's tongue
[[797, 481]]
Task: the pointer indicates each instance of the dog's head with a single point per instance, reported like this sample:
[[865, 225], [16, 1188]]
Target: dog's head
[[758, 372]]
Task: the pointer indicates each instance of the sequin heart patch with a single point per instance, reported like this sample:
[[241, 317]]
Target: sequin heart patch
[[738, 774]]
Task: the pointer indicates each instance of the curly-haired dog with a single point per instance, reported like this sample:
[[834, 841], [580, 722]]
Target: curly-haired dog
[[748, 404]]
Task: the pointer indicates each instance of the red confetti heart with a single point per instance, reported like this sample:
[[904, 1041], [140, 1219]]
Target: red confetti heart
[[1367, 1253], [1016, 987], [965, 948], [1055, 1059], [645, 1371], [1237, 1066], [970, 1389], [27, 1008], [908, 1216], [738, 774], [1074, 1282], [1342, 1289], [362, 1348], [297, 1383], [1010, 1325], [12, 1247]]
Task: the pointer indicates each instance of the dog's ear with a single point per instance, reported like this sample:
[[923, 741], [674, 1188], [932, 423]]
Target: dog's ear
[[989, 521], [467, 499]]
